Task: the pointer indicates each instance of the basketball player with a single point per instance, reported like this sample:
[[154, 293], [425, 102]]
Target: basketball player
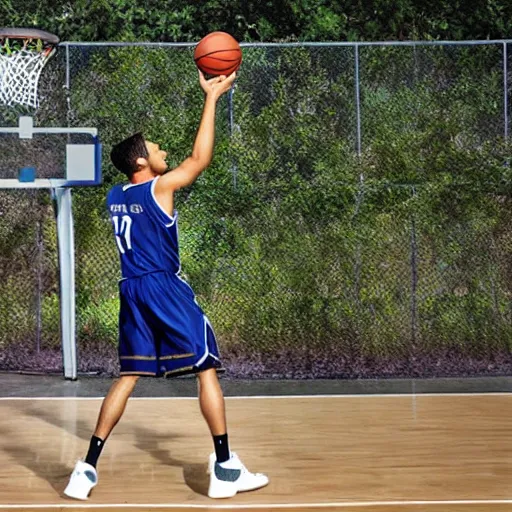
[[162, 329]]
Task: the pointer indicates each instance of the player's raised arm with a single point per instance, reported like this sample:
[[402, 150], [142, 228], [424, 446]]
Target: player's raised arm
[[188, 171]]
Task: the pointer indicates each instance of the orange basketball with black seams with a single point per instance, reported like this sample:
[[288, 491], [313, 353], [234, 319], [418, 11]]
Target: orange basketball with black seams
[[218, 53]]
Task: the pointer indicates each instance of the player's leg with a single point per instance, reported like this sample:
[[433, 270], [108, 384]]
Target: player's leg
[[112, 409], [84, 476], [137, 356], [188, 344], [227, 473], [211, 402]]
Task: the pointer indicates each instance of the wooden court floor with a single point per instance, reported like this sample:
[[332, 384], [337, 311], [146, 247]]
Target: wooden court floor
[[360, 453]]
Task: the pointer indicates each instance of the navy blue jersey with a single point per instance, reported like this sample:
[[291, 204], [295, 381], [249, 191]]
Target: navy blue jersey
[[146, 236]]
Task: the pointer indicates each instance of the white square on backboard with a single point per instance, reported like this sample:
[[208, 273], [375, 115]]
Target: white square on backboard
[[80, 161], [26, 125]]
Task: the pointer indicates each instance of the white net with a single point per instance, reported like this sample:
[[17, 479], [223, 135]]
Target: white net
[[19, 76]]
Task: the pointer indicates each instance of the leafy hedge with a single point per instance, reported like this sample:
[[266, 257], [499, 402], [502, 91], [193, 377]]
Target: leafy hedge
[[302, 239]]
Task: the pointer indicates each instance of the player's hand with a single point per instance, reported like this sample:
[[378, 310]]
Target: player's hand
[[217, 85]]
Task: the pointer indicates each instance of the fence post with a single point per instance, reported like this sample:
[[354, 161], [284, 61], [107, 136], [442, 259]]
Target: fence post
[[414, 280], [66, 247], [505, 86], [358, 199], [358, 99], [39, 264], [231, 119]]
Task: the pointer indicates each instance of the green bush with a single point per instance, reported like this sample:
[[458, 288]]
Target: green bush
[[295, 239]]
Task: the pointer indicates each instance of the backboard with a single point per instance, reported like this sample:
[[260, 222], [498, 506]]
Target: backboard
[[48, 157], [40, 145]]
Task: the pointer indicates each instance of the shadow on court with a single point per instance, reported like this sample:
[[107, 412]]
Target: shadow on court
[[194, 475], [146, 440], [69, 423], [40, 463]]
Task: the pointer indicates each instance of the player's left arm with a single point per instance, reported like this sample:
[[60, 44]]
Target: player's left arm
[[202, 152]]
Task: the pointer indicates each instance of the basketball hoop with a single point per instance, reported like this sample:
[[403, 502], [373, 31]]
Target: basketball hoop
[[23, 54]]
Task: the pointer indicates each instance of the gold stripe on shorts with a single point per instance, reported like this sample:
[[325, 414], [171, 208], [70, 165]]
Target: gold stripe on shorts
[[179, 370], [137, 373], [179, 356]]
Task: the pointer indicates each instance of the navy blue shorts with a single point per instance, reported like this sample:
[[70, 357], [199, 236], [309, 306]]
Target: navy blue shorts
[[162, 329]]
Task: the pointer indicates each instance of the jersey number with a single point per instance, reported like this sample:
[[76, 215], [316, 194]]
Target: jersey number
[[123, 232]]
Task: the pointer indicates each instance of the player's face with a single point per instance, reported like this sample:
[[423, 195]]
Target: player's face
[[156, 158]]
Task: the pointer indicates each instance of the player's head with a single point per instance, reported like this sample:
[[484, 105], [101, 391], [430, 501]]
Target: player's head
[[134, 154]]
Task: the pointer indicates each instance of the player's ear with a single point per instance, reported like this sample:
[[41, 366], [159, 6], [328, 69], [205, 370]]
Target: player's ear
[[141, 162]]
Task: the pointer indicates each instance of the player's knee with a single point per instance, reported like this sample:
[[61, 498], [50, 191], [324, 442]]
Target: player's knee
[[208, 375]]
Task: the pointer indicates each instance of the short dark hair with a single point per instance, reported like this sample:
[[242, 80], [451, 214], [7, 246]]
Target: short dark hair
[[124, 154]]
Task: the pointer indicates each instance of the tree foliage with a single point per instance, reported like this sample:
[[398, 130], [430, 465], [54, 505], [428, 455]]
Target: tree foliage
[[264, 20], [291, 239]]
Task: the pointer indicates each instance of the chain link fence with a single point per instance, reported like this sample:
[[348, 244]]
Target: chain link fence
[[355, 220]]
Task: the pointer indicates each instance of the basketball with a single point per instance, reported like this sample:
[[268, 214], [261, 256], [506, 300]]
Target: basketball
[[218, 53]]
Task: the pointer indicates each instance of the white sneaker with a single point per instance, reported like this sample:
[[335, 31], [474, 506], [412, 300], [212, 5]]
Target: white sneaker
[[230, 477], [82, 480]]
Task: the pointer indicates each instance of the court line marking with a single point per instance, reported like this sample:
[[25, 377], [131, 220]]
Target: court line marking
[[343, 504], [270, 397]]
